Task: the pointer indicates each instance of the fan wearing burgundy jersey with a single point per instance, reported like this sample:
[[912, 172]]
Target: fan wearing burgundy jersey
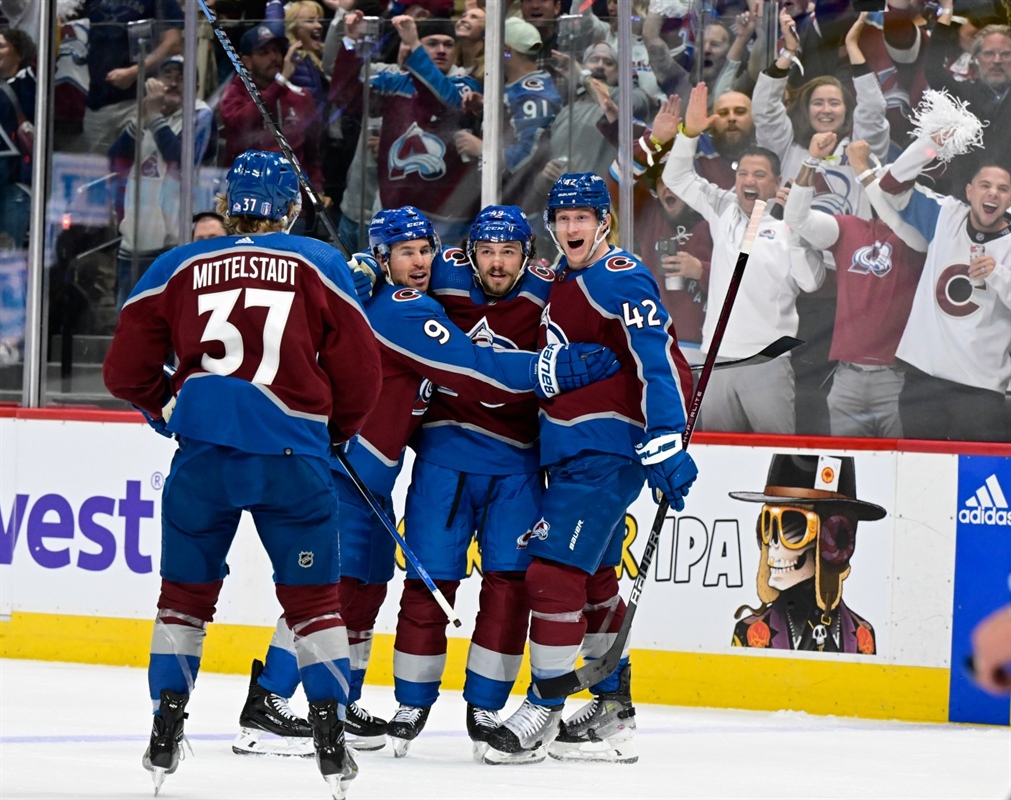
[[276, 362], [598, 447]]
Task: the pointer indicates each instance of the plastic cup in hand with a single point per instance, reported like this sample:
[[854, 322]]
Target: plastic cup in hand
[[977, 251]]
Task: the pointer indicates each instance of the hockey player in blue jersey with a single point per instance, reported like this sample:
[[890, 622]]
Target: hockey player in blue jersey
[[476, 477], [263, 325], [598, 447], [420, 348]]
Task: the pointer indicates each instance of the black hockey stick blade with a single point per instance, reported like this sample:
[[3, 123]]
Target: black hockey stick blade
[[784, 344]]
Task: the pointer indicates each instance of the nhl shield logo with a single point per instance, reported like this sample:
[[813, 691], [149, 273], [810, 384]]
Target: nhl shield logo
[[305, 559]]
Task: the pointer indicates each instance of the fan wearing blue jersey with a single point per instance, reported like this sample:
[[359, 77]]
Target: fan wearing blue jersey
[[420, 348], [476, 478], [598, 447], [264, 325]]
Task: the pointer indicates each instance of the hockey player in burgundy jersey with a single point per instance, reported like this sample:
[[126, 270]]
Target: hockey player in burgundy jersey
[[876, 275], [264, 326], [958, 339], [599, 447], [476, 475], [420, 348]]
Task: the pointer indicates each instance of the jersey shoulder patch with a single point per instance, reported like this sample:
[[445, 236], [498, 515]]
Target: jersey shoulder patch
[[620, 263], [406, 295]]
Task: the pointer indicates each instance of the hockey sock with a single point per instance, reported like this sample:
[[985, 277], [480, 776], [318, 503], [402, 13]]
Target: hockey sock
[[280, 667], [496, 648], [177, 643], [419, 651], [360, 604], [321, 642], [612, 681], [557, 595]]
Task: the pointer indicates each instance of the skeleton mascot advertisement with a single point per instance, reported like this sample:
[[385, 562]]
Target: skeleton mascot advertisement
[[806, 531]]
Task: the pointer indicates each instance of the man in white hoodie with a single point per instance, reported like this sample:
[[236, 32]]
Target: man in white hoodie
[[759, 399]]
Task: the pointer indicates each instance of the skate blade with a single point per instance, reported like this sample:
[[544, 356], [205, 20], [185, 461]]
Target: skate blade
[[607, 751], [158, 776], [400, 746], [479, 750], [497, 757], [254, 742], [338, 788], [365, 744]]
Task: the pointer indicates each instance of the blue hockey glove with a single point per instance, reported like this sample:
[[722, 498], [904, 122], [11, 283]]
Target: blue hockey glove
[[562, 368], [671, 471], [168, 405], [364, 269]]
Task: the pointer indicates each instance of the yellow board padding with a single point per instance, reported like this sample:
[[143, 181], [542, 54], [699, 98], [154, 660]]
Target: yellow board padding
[[755, 682]]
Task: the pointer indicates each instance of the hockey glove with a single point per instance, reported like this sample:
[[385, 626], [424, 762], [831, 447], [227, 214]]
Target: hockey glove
[[364, 269], [562, 368], [671, 471], [168, 405]]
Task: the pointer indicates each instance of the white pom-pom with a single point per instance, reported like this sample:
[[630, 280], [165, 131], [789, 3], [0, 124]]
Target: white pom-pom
[[949, 119], [68, 9], [670, 8]]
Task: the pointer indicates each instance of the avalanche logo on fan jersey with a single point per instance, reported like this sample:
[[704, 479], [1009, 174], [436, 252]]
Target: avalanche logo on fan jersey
[[417, 151], [534, 84], [953, 291], [767, 233], [483, 335], [874, 258], [403, 295], [619, 263], [832, 192], [553, 333]]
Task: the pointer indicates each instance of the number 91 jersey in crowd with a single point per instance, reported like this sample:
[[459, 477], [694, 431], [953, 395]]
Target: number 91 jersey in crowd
[[458, 427], [616, 302], [272, 342]]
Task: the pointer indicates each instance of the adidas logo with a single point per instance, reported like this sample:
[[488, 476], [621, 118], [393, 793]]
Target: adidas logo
[[244, 240], [987, 507]]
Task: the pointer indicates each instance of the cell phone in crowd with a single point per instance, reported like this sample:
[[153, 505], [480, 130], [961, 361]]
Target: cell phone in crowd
[[667, 247]]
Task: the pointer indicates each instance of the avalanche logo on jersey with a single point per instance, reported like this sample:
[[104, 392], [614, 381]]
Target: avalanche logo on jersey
[[541, 271], [423, 398], [619, 263], [417, 152], [404, 295], [832, 191], [483, 335], [455, 257], [953, 291], [553, 333], [534, 84], [875, 259], [539, 531]]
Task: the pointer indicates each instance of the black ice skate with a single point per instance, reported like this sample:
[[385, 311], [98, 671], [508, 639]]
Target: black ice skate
[[602, 730], [481, 722], [268, 726], [165, 750], [364, 731], [335, 761], [523, 738], [405, 726]]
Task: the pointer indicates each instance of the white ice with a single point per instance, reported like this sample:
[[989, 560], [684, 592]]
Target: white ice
[[73, 731]]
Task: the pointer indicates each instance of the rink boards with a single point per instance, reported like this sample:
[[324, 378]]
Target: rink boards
[[79, 550]]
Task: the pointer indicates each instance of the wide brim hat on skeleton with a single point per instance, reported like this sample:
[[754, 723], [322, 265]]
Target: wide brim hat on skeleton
[[827, 484]]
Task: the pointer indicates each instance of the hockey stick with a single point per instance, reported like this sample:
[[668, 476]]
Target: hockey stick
[[275, 131], [596, 670], [784, 344], [440, 598]]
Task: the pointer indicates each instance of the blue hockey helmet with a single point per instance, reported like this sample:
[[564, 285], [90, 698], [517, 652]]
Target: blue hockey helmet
[[500, 224], [404, 224], [263, 184], [578, 190]]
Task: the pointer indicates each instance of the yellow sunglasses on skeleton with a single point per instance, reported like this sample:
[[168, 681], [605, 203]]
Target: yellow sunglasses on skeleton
[[795, 527]]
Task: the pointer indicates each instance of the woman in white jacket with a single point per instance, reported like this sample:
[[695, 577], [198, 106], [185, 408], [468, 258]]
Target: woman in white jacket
[[822, 105]]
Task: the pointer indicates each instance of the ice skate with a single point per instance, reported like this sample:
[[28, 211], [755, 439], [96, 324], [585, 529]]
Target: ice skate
[[524, 737], [364, 731], [268, 726], [335, 761], [405, 726], [481, 722], [602, 730], [165, 750]]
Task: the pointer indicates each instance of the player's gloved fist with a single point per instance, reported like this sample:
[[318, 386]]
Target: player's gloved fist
[[670, 470], [343, 448], [364, 269], [562, 368]]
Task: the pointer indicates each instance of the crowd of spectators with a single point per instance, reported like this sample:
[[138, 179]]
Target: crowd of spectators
[[807, 106]]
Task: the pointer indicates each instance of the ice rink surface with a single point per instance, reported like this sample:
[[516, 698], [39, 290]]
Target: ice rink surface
[[73, 731]]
